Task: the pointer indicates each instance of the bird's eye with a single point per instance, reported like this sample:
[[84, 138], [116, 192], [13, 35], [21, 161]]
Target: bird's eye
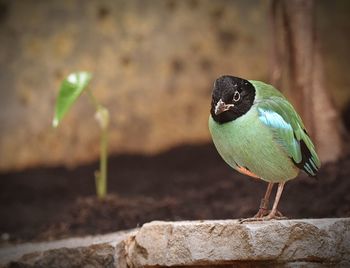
[[236, 96]]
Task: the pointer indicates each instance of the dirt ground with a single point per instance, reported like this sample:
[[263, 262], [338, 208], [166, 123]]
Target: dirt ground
[[186, 183]]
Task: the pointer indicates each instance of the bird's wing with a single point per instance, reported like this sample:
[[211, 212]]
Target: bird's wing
[[279, 115]]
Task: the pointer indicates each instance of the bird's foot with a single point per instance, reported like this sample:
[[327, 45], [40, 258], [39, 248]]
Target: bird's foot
[[263, 216], [280, 215], [261, 213]]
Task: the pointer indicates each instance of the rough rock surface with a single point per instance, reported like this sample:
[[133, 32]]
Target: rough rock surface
[[288, 243], [91, 251], [318, 241]]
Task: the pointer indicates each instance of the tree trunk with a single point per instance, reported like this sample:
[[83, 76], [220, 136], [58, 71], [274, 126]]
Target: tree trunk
[[297, 69]]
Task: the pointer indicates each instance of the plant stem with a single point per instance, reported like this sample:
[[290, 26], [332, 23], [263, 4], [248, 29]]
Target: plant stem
[[102, 116], [101, 186]]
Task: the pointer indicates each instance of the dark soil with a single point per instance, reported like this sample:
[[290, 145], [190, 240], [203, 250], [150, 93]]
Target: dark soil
[[185, 183]]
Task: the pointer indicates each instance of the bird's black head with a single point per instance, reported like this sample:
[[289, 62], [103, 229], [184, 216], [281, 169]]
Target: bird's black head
[[232, 97]]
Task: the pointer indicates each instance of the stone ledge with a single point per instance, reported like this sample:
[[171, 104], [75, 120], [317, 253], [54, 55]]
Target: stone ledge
[[97, 251], [287, 243]]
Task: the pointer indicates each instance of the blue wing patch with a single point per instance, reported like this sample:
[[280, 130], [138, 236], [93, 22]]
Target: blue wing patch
[[284, 131]]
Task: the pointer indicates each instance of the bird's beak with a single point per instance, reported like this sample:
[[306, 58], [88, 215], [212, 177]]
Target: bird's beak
[[222, 107]]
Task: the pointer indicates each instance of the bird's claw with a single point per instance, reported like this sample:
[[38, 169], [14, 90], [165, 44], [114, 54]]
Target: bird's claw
[[280, 216], [263, 216], [261, 213]]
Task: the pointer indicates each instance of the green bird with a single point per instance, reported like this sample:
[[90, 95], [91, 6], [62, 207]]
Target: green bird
[[258, 133]]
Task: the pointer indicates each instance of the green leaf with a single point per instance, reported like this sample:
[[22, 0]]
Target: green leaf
[[70, 90]]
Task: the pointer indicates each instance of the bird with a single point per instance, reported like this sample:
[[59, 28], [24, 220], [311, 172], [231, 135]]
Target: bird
[[257, 132]]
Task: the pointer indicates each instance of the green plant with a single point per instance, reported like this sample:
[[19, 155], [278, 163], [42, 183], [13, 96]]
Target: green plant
[[71, 88]]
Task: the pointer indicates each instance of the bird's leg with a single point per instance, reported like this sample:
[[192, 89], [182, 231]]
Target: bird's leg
[[274, 214], [263, 209]]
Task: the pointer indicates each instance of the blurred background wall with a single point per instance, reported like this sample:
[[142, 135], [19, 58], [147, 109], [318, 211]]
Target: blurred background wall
[[154, 63]]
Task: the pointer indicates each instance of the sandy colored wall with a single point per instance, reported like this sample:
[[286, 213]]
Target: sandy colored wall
[[154, 63]]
